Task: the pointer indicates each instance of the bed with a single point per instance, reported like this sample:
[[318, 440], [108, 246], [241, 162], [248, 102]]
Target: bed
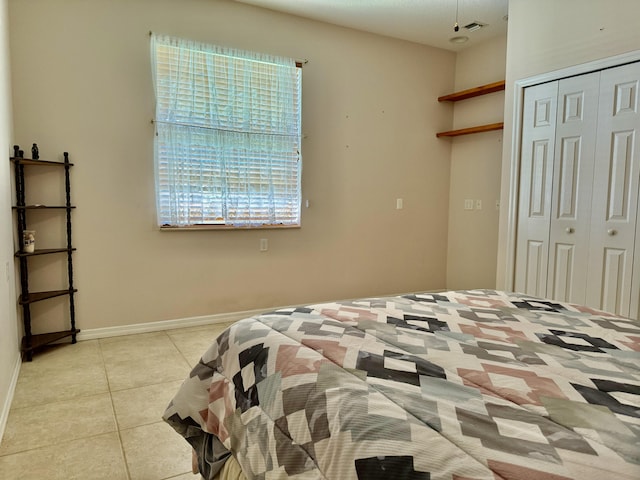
[[475, 384]]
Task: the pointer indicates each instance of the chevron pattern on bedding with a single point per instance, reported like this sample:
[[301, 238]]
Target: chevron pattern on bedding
[[458, 385]]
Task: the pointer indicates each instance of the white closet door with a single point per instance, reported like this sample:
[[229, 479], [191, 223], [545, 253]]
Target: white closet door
[[572, 187], [536, 173], [614, 226]]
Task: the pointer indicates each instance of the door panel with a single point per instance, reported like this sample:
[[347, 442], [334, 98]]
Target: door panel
[[536, 171], [613, 280], [572, 187], [568, 184], [533, 269], [564, 270], [618, 199], [612, 285]]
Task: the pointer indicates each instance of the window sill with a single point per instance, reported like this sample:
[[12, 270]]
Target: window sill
[[225, 227]]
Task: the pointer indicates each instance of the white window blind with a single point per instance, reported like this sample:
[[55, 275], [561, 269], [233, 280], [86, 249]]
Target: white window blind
[[227, 145]]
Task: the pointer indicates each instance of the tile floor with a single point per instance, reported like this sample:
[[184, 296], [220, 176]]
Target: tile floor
[[93, 410]]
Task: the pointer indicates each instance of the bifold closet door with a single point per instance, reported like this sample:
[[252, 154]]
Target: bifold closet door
[[536, 176], [573, 167], [614, 273], [578, 237]]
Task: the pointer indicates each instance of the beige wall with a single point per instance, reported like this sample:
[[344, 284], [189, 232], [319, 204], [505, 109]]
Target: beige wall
[[9, 353], [475, 170], [82, 83], [548, 35]]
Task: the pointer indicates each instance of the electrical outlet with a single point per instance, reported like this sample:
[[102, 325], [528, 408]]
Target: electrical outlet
[[478, 204], [264, 244]]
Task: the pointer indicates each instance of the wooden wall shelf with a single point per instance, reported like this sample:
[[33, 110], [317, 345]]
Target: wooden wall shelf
[[30, 161], [467, 131], [473, 92], [43, 251], [40, 340], [470, 93]]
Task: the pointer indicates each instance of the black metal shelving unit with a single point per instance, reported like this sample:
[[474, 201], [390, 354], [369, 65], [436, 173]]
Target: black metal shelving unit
[[32, 342]]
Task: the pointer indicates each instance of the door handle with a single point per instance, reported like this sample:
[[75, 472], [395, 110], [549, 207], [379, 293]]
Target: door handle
[[611, 232], [569, 230]]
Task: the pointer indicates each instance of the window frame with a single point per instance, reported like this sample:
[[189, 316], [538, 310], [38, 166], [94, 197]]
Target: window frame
[[296, 196]]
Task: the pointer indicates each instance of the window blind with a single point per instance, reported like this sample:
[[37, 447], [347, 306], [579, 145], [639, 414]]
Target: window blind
[[227, 145]]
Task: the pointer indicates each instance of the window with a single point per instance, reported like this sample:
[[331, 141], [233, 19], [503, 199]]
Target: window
[[227, 145]]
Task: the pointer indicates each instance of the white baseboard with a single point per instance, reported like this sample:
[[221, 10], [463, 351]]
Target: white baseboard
[[6, 406], [105, 332], [133, 329]]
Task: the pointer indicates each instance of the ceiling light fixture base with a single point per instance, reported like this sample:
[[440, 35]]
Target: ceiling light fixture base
[[459, 39]]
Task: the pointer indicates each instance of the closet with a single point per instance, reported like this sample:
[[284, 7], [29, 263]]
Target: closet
[[578, 220]]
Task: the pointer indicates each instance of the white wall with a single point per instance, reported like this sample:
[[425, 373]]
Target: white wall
[[548, 35], [9, 344], [475, 170], [82, 83]]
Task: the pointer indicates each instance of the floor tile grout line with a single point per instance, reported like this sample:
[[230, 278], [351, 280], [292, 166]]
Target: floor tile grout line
[[178, 349], [70, 399], [115, 417], [158, 334], [124, 455], [63, 442], [146, 385], [104, 366]]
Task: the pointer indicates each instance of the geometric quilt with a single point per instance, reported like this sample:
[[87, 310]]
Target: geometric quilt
[[476, 384]]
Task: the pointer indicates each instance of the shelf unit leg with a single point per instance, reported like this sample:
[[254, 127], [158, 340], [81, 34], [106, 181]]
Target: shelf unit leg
[[67, 185]]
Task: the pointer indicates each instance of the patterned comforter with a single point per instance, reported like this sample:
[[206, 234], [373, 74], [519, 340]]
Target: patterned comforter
[[454, 385]]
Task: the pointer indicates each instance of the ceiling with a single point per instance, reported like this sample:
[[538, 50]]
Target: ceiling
[[429, 22]]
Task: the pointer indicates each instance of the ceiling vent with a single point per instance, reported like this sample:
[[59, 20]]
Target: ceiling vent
[[475, 25]]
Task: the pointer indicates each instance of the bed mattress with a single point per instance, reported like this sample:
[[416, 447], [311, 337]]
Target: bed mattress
[[475, 384]]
